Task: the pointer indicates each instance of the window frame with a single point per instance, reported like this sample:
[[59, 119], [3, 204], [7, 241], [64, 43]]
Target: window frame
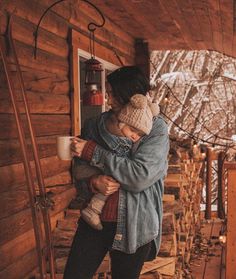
[[76, 94]]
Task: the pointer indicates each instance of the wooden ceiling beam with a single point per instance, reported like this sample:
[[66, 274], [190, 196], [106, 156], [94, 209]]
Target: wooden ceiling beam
[[191, 20], [227, 22], [176, 24], [175, 14], [202, 14], [162, 23], [214, 14]]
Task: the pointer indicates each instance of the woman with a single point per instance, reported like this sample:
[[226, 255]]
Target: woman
[[132, 215]]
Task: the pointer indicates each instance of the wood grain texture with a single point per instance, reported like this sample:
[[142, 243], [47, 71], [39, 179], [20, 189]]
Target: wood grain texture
[[12, 176], [44, 125], [20, 222]]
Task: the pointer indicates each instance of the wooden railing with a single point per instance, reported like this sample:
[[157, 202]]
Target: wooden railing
[[230, 167]]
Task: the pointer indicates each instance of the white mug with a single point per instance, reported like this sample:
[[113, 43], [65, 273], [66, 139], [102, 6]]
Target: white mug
[[64, 147]]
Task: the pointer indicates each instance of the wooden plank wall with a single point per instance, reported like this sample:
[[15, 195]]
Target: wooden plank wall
[[48, 91]]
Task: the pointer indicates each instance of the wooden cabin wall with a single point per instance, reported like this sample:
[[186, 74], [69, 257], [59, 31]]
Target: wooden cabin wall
[[48, 90]]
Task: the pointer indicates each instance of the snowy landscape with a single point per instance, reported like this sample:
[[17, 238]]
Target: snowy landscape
[[195, 90]]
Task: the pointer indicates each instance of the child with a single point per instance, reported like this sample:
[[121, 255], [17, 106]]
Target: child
[[133, 122]]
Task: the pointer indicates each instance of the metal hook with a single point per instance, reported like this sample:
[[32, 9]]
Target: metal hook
[[91, 26], [37, 28], [94, 24]]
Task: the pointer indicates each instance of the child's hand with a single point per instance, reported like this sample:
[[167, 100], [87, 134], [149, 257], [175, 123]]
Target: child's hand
[[105, 184], [77, 146]]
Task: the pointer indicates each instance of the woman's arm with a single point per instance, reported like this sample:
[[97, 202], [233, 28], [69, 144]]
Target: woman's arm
[[90, 179], [144, 168], [147, 165]]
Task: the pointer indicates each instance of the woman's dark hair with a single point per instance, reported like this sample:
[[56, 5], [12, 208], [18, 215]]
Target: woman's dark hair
[[126, 82]]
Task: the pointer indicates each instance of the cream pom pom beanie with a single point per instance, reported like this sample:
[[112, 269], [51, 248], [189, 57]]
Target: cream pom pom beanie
[[139, 113]]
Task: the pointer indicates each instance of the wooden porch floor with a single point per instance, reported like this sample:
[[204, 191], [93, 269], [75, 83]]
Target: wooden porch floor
[[209, 254], [206, 257]]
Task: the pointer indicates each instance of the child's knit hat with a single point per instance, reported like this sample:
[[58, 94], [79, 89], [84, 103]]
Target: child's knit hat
[[139, 113]]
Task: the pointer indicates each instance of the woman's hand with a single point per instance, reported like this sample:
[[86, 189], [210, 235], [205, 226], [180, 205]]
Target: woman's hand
[[77, 146], [105, 184]]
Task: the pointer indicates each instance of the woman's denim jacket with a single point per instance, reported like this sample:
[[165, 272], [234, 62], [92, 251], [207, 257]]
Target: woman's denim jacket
[[140, 175]]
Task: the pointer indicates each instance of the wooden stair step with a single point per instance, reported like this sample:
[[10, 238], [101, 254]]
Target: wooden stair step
[[68, 224], [60, 264], [72, 213], [165, 265], [62, 238], [61, 252]]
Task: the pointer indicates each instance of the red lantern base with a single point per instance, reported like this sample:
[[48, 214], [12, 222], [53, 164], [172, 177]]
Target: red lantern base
[[93, 98]]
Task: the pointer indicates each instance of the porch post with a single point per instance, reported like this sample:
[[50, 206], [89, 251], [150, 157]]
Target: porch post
[[221, 186], [142, 56], [231, 222], [208, 183]]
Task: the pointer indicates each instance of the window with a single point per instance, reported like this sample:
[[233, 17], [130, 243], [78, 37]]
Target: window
[[85, 110]]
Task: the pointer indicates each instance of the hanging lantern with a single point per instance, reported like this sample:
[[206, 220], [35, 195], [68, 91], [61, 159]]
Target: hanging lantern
[[92, 96], [93, 69]]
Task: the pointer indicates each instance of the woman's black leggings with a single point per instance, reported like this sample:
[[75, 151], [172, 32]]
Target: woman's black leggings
[[90, 247]]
